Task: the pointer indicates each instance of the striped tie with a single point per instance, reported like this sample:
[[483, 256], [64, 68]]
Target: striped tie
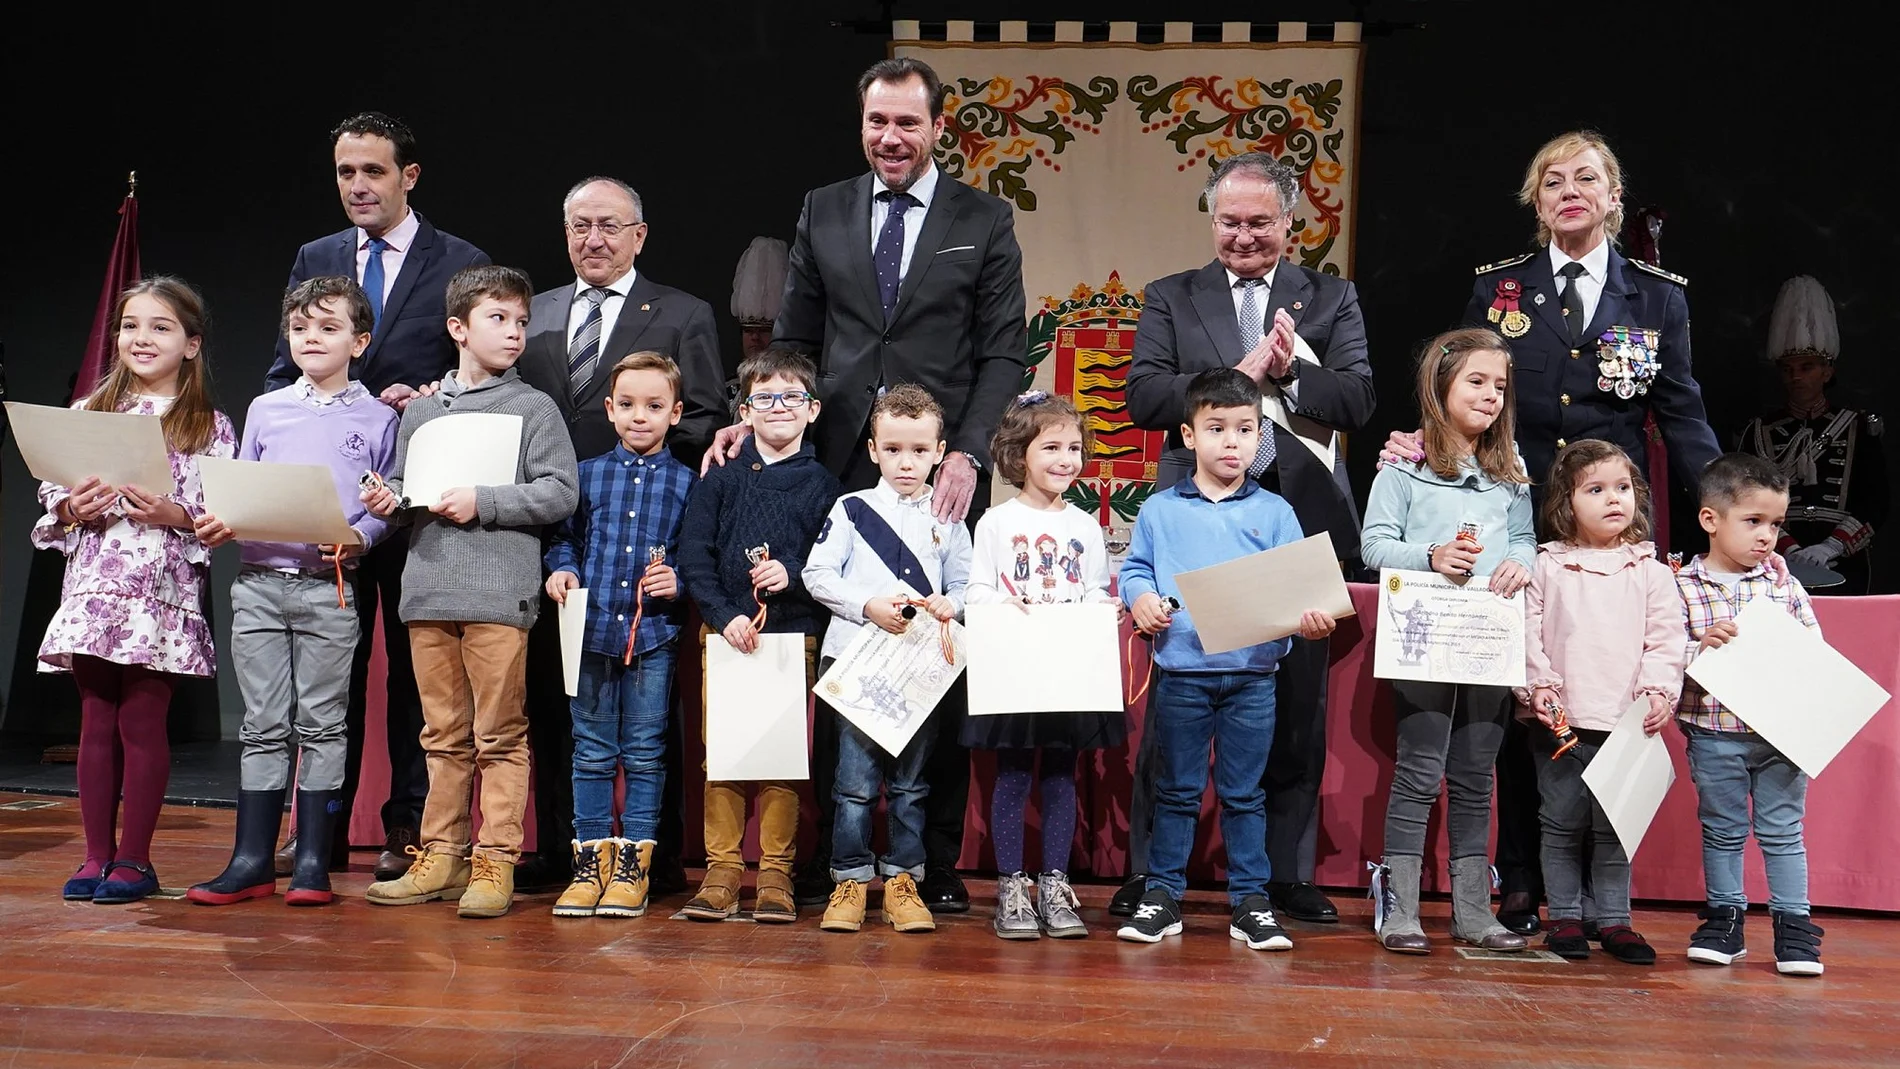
[[583, 353], [1252, 329]]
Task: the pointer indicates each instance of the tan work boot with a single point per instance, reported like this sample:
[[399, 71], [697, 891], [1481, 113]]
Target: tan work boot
[[433, 874], [626, 894], [845, 912], [776, 903], [718, 896], [491, 887], [904, 907], [593, 868]]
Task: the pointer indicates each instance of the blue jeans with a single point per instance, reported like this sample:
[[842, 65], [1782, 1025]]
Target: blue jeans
[[620, 716], [1234, 712], [1731, 768], [863, 766]]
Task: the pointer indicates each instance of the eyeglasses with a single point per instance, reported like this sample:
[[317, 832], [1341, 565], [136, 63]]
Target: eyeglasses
[[1258, 230], [790, 399], [607, 230]]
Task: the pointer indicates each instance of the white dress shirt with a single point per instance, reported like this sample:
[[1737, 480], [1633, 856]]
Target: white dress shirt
[[1596, 268], [400, 238], [617, 291], [1264, 291], [924, 190]]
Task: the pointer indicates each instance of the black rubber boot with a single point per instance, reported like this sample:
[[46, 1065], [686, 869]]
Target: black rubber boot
[[252, 872], [317, 813]]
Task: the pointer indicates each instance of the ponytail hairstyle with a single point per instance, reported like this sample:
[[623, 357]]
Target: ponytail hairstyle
[[1438, 367], [191, 421]]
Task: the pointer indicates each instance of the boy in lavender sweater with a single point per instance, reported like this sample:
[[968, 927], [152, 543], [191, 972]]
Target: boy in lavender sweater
[[293, 618]]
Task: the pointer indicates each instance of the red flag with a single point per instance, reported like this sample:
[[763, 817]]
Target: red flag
[[121, 271], [1644, 235]]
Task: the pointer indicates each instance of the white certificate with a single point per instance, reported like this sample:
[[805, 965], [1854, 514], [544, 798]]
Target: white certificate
[[469, 449], [275, 502], [1051, 659], [1630, 775], [755, 710], [1431, 628], [64, 446], [572, 617], [887, 685], [1261, 597], [1789, 685], [1319, 439]]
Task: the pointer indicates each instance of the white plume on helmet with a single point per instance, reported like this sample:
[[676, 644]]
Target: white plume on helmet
[[1803, 321], [759, 283]]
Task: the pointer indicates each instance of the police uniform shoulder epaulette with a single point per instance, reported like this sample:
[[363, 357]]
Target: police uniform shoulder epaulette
[[1501, 264], [1652, 269]]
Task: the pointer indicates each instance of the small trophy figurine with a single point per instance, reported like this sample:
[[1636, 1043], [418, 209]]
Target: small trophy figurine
[[1560, 727], [1468, 532]]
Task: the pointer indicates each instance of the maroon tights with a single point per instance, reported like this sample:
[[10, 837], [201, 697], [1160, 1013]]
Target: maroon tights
[[122, 749]]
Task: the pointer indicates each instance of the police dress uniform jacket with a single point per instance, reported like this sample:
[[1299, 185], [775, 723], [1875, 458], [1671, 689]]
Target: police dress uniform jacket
[[1837, 481], [1558, 395]]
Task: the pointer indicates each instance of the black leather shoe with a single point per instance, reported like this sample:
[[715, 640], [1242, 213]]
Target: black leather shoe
[[1518, 913], [667, 876], [813, 887], [395, 859], [540, 874], [1126, 899], [1302, 902], [943, 892]]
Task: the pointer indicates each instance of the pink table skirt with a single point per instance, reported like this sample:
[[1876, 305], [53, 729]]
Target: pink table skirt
[[1853, 824]]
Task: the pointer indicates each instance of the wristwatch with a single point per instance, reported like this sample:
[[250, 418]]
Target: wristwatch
[[975, 464], [1292, 375]]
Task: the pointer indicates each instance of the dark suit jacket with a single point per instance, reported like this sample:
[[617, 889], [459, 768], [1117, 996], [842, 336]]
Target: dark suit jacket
[[1557, 396], [1188, 325], [412, 345], [653, 318], [957, 330]]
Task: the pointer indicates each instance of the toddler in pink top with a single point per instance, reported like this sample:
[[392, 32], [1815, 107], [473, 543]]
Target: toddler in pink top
[[1603, 628]]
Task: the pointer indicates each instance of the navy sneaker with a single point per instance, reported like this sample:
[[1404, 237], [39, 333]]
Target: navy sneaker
[[1719, 940], [1797, 945], [111, 892], [1254, 925], [1157, 916]]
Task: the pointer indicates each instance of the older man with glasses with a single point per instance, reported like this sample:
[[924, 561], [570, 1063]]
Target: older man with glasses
[[577, 332], [1299, 334]]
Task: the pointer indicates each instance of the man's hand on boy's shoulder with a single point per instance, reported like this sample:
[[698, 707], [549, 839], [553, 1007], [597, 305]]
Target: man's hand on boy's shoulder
[[725, 446], [559, 584]]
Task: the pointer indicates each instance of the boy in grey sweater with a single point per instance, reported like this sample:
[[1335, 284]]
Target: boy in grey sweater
[[470, 592]]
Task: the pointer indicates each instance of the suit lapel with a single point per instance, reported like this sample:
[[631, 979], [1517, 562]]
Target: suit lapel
[[414, 262], [1539, 282], [1290, 287], [858, 228], [1613, 303], [1215, 305], [550, 345], [636, 312], [943, 211]]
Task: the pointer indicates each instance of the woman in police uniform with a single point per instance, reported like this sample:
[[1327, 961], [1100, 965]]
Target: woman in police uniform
[[1597, 341]]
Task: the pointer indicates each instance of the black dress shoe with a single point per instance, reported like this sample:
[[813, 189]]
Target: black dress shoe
[[1518, 913], [943, 892], [667, 877], [395, 858], [540, 874], [1303, 902], [1129, 896], [813, 887]]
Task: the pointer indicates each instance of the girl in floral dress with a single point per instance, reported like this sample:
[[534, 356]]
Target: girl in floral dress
[[130, 621]]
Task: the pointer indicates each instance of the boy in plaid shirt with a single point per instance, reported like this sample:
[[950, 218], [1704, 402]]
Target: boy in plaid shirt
[[619, 545], [1744, 503]]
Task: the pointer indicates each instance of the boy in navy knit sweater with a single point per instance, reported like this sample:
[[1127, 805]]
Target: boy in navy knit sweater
[[748, 527]]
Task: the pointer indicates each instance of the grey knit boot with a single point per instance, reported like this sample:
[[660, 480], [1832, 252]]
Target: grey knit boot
[[1471, 918], [1398, 899]]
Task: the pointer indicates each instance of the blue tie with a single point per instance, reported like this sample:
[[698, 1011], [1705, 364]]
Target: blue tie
[[888, 257], [373, 279]]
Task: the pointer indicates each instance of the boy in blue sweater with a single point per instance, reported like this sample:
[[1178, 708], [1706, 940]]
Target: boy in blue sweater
[[1217, 515], [749, 525]]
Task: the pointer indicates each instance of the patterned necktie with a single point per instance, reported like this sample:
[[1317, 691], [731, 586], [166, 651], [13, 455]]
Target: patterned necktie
[[888, 257], [583, 353], [1251, 331], [1573, 301], [373, 280]]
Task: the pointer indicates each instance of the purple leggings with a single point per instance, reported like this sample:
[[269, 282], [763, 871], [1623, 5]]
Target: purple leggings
[[1014, 771]]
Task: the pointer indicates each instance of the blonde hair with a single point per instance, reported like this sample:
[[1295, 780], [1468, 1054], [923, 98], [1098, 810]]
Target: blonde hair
[[1495, 451], [1557, 150], [192, 420]]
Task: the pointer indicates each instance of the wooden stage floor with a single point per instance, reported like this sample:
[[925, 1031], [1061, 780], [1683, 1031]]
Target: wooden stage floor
[[164, 983]]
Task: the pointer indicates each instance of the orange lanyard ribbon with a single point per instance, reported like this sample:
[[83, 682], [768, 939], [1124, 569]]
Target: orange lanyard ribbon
[[946, 639], [759, 555], [656, 558]]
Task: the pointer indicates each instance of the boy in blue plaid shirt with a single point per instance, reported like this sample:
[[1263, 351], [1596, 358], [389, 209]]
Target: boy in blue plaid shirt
[[1744, 503], [619, 546]]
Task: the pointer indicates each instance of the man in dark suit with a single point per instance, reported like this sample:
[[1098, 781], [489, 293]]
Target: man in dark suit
[[404, 265], [1300, 335], [902, 275], [577, 333]]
